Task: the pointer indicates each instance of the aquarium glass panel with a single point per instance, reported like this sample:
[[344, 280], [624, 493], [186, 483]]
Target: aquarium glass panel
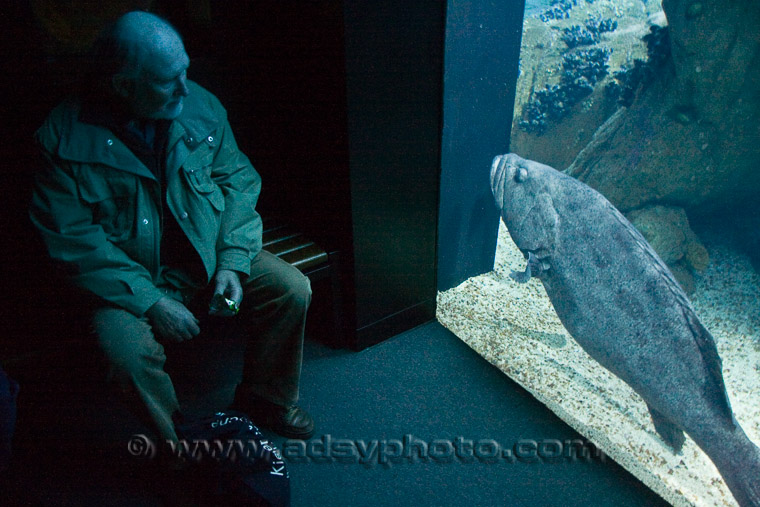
[[625, 293]]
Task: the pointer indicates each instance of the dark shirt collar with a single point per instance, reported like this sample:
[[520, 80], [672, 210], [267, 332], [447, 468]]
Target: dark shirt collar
[[115, 116], [105, 112], [145, 138]]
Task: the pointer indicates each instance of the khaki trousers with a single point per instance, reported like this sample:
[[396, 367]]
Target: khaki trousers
[[272, 316]]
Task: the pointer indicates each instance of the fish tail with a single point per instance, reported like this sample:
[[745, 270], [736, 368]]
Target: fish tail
[[741, 472]]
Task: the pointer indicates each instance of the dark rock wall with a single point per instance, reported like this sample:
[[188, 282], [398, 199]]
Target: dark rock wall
[[692, 137]]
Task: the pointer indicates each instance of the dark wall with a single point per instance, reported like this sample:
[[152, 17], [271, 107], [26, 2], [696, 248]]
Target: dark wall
[[338, 105], [482, 55], [278, 67], [33, 79], [394, 62]]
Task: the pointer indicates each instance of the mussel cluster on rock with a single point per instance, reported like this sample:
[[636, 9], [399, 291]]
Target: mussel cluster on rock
[[581, 70], [559, 9], [589, 34], [626, 81]]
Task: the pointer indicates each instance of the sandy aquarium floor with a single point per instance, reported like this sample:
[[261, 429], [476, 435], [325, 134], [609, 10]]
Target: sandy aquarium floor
[[514, 327]]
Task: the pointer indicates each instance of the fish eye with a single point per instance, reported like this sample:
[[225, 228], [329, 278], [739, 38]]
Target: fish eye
[[521, 175]]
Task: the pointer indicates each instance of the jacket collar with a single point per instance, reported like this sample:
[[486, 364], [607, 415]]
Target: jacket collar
[[196, 121], [94, 144]]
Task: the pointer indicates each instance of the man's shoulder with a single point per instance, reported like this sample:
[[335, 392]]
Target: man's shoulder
[[199, 96], [202, 112], [58, 123]]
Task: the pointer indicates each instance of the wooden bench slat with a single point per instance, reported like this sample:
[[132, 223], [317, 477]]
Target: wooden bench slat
[[286, 247], [305, 258], [275, 235], [292, 246]]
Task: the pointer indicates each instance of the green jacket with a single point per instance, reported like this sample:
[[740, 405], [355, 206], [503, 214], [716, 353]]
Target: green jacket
[[97, 205]]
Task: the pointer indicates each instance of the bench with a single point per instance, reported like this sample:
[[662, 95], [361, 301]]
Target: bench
[[45, 312], [317, 264]]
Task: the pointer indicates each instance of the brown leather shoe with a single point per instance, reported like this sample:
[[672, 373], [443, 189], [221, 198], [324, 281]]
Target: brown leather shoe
[[290, 422]]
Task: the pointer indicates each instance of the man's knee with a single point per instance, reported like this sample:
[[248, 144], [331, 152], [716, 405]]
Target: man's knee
[[300, 290], [295, 291], [277, 280], [126, 340]]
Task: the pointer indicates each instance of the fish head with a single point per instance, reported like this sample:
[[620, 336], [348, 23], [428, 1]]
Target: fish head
[[523, 192]]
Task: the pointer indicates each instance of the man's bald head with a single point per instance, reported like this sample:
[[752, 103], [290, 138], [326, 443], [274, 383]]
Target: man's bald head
[[144, 63], [142, 37]]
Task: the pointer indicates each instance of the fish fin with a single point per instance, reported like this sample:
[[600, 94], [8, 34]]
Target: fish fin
[[709, 352], [669, 432], [539, 229], [521, 276], [534, 267]]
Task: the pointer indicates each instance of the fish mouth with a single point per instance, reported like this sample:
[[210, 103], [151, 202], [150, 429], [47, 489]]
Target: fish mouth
[[495, 171], [498, 175], [500, 171]]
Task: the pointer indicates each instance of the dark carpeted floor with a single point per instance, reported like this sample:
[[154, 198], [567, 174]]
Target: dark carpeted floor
[[429, 384], [411, 421]]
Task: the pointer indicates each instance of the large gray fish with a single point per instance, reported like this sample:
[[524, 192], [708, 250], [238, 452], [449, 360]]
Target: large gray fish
[[620, 302]]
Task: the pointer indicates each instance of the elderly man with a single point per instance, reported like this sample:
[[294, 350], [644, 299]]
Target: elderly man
[[148, 202]]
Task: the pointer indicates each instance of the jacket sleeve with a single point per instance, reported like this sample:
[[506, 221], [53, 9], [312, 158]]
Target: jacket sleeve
[[75, 240], [241, 228]]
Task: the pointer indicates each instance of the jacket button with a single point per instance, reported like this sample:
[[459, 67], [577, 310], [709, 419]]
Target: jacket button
[[210, 139], [189, 140], [146, 221], [109, 142], [183, 215]]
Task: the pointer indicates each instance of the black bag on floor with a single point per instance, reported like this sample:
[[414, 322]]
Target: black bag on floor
[[232, 462]]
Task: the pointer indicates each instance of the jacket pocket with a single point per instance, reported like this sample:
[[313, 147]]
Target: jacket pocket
[[200, 179], [112, 200]]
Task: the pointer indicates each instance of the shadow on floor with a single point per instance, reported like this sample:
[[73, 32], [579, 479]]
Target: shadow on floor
[[415, 420]]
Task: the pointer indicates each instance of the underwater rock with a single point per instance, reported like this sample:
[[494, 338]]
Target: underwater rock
[[581, 70], [577, 35], [620, 303], [684, 277], [627, 81], [557, 140], [691, 136], [559, 9], [663, 228], [667, 230], [589, 34]]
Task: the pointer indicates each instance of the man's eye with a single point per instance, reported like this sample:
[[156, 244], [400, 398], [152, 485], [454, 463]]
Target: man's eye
[[166, 83]]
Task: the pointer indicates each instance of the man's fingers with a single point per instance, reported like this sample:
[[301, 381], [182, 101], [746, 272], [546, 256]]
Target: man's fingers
[[237, 294], [220, 287], [194, 328]]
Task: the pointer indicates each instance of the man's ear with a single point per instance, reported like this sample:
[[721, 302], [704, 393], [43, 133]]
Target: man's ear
[[123, 85]]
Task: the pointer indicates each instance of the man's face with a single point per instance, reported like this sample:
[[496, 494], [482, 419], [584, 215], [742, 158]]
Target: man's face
[[161, 86]]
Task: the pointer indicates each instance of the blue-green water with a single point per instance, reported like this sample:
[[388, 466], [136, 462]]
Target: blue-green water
[[534, 6]]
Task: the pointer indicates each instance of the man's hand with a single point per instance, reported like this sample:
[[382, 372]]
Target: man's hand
[[227, 285], [172, 320]]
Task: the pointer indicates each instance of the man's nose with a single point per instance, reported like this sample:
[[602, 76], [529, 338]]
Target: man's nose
[[182, 90]]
